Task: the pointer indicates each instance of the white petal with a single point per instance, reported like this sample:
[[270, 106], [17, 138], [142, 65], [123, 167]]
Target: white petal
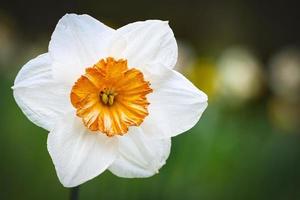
[[79, 155], [41, 98], [144, 42], [140, 156], [176, 104], [78, 42]]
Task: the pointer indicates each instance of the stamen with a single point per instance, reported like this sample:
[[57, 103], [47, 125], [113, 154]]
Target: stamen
[[104, 98], [107, 97], [111, 99]]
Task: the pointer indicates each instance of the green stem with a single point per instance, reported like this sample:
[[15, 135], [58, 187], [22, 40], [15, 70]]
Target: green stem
[[74, 193]]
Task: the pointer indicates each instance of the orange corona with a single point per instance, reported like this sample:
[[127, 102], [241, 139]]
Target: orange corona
[[109, 97]]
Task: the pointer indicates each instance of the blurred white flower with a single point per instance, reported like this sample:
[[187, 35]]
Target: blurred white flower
[[7, 41], [240, 75], [109, 98], [285, 74], [186, 57]]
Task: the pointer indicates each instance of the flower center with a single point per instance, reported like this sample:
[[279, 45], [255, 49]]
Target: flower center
[[107, 96], [110, 97]]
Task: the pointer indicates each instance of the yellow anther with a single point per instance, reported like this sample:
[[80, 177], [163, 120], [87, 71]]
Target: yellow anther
[[111, 99], [104, 98]]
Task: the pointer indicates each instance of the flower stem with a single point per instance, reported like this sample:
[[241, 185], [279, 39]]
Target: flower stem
[[74, 193]]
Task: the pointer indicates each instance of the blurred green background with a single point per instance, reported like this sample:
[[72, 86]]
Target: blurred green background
[[243, 53]]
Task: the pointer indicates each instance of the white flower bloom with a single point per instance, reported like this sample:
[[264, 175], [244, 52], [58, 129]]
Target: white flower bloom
[[285, 74], [109, 98], [240, 75]]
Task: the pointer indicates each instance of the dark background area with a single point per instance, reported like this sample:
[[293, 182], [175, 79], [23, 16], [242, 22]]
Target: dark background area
[[263, 25]]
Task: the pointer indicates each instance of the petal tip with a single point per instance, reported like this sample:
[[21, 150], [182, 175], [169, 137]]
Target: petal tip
[[205, 97]]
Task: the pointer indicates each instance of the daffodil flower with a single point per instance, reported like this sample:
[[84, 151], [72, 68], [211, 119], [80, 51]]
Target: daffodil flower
[[109, 98]]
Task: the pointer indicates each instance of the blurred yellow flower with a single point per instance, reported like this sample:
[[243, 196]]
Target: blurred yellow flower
[[284, 115], [204, 75]]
